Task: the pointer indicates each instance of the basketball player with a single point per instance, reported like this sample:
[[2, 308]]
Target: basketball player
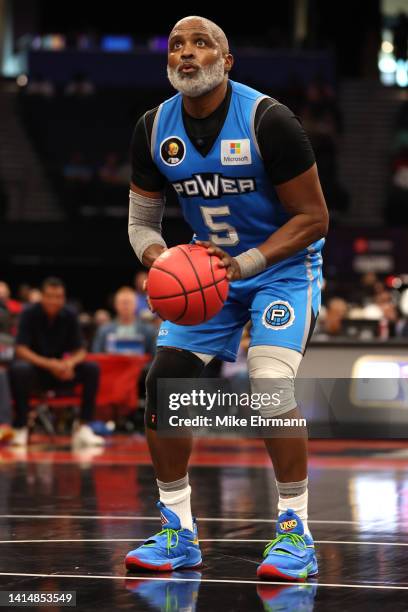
[[247, 181]]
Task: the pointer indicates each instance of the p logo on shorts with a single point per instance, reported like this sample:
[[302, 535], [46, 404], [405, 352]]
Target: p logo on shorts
[[278, 315]]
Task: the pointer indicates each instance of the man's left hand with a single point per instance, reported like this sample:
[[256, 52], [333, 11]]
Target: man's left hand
[[226, 261], [68, 373]]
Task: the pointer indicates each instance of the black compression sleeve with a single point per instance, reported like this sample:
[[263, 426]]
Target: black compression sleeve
[[284, 145], [144, 171]]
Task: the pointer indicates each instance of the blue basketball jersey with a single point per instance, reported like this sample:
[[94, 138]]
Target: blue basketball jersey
[[226, 196]]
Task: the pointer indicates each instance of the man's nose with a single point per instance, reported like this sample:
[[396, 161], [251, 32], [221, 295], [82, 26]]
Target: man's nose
[[188, 51]]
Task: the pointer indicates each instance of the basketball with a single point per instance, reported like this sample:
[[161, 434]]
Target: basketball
[[185, 285]]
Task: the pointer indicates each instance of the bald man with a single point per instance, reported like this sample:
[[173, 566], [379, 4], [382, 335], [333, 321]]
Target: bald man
[[247, 182]]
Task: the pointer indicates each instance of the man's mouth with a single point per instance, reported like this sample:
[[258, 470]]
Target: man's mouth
[[187, 68]]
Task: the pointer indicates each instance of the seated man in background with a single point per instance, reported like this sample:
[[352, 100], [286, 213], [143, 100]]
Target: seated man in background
[[50, 355], [126, 334]]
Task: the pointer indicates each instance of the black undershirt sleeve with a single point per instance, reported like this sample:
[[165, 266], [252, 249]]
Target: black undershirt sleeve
[[145, 173], [283, 143]]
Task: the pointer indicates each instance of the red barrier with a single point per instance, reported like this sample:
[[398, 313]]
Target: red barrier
[[118, 381]]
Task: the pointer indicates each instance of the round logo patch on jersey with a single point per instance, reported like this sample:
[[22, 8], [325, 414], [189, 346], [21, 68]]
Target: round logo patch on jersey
[[172, 151], [278, 315]]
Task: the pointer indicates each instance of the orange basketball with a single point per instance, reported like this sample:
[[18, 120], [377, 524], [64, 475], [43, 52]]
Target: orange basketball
[[185, 285]]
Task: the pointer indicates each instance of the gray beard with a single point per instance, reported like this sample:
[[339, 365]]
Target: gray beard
[[199, 83]]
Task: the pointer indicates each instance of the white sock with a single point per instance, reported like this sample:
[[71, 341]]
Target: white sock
[[179, 502], [298, 505]]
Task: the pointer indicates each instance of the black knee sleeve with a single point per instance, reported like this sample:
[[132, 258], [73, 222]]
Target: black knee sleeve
[[168, 363]]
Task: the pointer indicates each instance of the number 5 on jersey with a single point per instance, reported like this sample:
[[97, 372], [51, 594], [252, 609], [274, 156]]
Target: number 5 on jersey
[[210, 214]]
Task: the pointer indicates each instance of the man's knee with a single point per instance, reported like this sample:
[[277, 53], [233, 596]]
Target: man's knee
[[168, 363], [272, 370], [21, 369]]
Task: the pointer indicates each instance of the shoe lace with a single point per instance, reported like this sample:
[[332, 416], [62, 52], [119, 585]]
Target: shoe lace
[[170, 533], [295, 539]]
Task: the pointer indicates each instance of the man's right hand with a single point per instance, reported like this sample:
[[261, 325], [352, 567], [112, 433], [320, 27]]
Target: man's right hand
[[58, 369]]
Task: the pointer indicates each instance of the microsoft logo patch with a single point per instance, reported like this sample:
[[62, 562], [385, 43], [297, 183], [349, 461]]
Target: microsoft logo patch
[[236, 152]]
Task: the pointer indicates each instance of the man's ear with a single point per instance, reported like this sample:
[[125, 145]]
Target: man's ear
[[228, 62]]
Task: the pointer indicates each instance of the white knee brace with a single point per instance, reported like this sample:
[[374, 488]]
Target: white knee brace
[[272, 371]]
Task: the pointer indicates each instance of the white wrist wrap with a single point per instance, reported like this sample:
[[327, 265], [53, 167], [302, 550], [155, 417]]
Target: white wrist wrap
[[251, 262]]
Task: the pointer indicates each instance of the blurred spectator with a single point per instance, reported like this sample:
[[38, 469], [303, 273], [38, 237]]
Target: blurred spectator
[[13, 306], [383, 297], [142, 307], [87, 328], [368, 283], [9, 310], [7, 330], [388, 321], [126, 334], [5, 319], [50, 355], [330, 322], [34, 295], [389, 314], [79, 86], [38, 85], [101, 317], [373, 301], [363, 291]]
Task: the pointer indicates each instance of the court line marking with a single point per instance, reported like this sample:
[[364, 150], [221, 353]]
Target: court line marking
[[210, 580], [102, 517], [256, 541]]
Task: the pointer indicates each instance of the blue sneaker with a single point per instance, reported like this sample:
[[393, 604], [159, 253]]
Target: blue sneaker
[[169, 549], [291, 555]]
